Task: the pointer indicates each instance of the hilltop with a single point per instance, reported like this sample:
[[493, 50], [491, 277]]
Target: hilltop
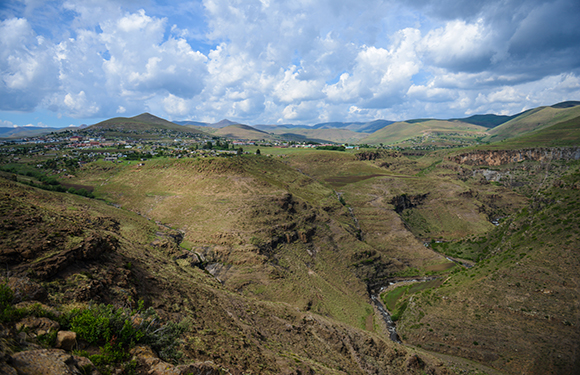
[[143, 122], [534, 120], [438, 129], [239, 131]]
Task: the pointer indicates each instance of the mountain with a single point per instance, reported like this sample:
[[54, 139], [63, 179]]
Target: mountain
[[24, 131], [144, 122], [565, 133], [489, 121], [321, 135], [239, 131], [362, 127], [568, 104], [223, 123], [259, 277], [400, 131], [534, 120], [195, 123], [359, 127]]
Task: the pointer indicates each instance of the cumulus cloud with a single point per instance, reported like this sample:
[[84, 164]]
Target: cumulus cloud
[[264, 61], [27, 68]]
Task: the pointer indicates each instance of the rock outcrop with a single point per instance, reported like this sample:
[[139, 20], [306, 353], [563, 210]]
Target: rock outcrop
[[148, 363], [48, 362], [501, 157], [405, 201]]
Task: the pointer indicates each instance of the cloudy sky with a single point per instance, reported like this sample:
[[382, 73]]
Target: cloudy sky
[[274, 61]]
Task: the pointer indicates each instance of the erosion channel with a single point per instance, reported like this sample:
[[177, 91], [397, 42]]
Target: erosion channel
[[376, 298]]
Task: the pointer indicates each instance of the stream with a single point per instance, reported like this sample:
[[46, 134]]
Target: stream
[[375, 297]]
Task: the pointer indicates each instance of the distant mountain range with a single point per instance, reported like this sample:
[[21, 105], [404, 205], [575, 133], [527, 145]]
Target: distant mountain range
[[489, 127]]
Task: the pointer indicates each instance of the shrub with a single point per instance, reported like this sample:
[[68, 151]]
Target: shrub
[[7, 311], [119, 330]]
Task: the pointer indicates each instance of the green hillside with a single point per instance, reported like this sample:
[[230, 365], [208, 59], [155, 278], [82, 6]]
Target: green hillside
[[488, 121], [565, 133], [254, 286], [142, 123], [532, 121], [239, 131], [525, 278], [401, 131], [321, 135]]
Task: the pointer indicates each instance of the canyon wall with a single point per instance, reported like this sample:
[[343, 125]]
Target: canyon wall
[[501, 157]]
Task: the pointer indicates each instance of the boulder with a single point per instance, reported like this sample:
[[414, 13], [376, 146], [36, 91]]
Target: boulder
[[66, 340], [39, 326], [149, 363], [49, 362], [26, 290]]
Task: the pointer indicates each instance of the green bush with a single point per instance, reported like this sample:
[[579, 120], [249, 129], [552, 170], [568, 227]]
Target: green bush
[[117, 331], [8, 312]]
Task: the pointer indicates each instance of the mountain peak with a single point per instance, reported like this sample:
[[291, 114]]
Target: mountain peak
[[223, 123], [148, 117]]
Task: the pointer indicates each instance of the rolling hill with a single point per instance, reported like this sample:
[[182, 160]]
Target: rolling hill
[[240, 131], [24, 131], [142, 122], [489, 121], [320, 135], [401, 131], [534, 120]]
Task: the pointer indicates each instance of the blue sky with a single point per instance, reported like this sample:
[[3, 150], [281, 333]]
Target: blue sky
[[272, 62]]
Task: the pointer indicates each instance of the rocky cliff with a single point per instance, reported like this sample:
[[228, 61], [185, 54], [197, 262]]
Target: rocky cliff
[[501, 157]]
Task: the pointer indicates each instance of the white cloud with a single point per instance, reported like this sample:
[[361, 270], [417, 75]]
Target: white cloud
[[174, 105], [77, 104], [380, 77], [292, 88], [7, 124], [27, 69], [272, 60], [459, 45]]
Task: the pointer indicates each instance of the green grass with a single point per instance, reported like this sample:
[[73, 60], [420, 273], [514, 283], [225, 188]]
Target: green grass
[[401, 131], [534, 121]]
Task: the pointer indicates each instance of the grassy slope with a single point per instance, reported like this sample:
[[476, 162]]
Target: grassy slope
[[516, 310], [143, 122], [452, 208], [239, 131], [236, 213], [330, 135], [402, 130], [565, 133], [532, 121], [240, 333]]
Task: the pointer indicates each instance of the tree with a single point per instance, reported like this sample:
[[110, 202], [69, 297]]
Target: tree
[[240, 151], [258, 152]]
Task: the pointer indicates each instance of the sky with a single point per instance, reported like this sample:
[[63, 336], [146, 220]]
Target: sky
[[78, 62]]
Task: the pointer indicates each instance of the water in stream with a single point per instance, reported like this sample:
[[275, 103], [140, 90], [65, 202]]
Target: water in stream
[[393, 335], [391, 326]]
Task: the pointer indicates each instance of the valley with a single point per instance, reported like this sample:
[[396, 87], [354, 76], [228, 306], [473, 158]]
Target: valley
[[287, 260]]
